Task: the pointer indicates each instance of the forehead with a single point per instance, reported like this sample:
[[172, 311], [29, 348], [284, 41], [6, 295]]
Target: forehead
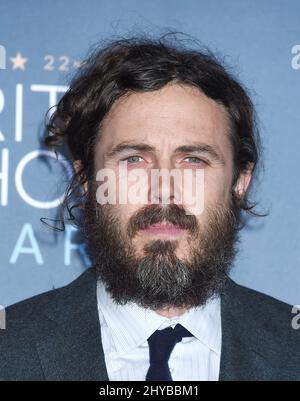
[[171, 116]]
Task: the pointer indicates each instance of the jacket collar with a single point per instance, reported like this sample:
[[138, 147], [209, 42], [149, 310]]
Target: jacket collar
[[247, 349], [72, 350]]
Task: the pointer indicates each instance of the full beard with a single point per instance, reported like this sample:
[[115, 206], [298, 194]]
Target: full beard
[[159, 279]]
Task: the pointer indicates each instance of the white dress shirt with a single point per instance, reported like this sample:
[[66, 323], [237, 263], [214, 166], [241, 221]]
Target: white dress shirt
[[126, 328]]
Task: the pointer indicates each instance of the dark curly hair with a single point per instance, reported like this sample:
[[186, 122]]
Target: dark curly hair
[[141, 64]]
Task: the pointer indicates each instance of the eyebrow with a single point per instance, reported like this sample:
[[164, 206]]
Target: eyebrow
[[202, 148], [139, 147], [142, 147]]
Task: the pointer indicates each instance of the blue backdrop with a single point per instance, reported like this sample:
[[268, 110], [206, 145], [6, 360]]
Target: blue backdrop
[[41, 45]]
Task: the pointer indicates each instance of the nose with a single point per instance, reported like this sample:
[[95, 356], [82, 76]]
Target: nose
[[165, 186]]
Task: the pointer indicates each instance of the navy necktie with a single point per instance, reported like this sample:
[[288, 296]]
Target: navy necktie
[[161, 344]]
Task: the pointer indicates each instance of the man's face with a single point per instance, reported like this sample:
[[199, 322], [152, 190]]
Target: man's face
[[180, 128]]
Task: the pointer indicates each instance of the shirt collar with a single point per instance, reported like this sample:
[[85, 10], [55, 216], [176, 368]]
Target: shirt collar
[[131, 325]]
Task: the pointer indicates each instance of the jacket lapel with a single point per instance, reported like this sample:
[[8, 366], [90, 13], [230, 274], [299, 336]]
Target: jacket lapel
[[244, 354], [72, 350]]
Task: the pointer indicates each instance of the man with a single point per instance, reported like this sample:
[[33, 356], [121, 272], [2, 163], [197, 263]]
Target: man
[[158, 303]]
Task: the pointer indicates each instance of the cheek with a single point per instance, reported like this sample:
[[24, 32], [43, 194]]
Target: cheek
[[217, 188]]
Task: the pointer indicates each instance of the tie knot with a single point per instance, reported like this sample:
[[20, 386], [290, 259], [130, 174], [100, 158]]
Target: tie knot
[[162, 342]]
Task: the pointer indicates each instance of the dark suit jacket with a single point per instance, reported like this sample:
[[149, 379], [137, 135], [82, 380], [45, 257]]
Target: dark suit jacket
[[56, 336]]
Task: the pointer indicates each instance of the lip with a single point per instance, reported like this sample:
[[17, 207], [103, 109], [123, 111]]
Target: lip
[[163, 229]]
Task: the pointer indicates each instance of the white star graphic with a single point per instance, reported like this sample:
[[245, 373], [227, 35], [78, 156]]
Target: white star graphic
[[18, 62], [77, 63]]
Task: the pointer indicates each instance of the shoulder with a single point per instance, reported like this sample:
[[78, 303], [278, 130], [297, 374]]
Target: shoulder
[[258, 303], [264, 318], [30, 320], [30, 311]]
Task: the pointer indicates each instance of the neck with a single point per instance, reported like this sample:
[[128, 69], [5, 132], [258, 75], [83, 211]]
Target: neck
[[171, 312]]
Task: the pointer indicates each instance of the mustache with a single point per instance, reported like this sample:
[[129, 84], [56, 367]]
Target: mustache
[[155, 214]]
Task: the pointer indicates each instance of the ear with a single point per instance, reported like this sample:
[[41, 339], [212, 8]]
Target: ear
[[243, 182], [77, 164]]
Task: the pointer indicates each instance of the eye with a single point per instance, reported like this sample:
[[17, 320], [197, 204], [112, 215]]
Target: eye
[[134, 159], [194, 160]]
